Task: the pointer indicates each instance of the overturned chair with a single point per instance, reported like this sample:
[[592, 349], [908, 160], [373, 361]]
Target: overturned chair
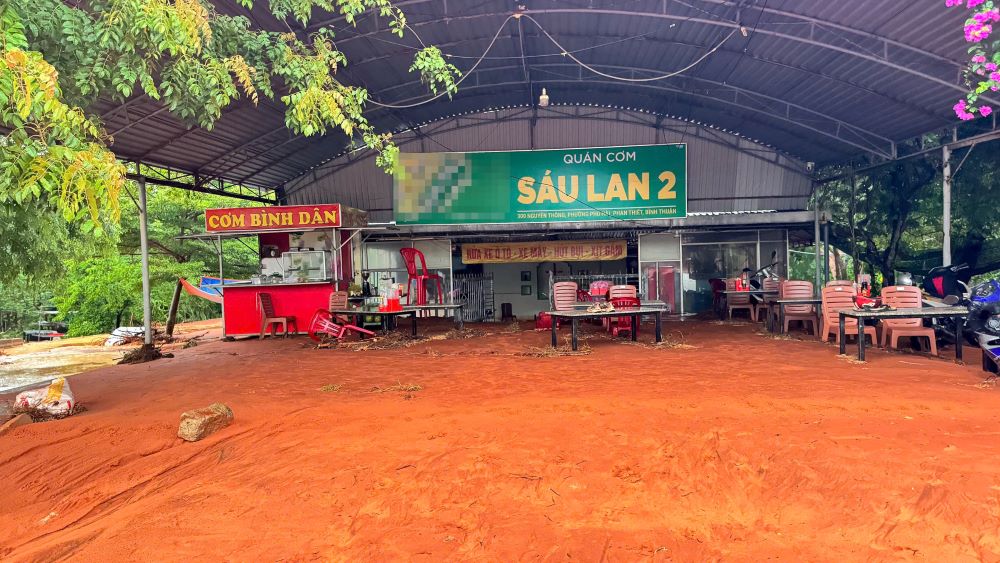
[[326, 324]]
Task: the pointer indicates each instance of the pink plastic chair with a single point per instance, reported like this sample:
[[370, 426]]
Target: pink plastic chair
[[410, 256], [564, 295], [904, 297], [840, 283], [624, 290], [769, 284], [798, 289], [738, 301], [835, 299]]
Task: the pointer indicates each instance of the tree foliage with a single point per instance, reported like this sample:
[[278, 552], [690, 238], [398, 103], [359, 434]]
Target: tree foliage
[[102, 291], [57, 58], [891, 218]]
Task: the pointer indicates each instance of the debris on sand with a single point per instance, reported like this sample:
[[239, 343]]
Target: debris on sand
[[391, 341], [465, 333], [546, 352], [19, 420], [199, 423], [39, 414], [399, 386], [6, 411], [142, 355], [331, 388]]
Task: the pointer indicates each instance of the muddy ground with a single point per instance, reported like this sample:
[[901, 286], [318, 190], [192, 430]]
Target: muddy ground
[[733, 446]]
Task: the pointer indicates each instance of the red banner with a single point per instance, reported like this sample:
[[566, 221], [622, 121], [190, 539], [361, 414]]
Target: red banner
[[278, 218]]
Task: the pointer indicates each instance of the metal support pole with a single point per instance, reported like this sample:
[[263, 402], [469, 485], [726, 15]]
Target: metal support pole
[[222, 287], [826, 252], [946, 205], [817, 278], [147, 305]]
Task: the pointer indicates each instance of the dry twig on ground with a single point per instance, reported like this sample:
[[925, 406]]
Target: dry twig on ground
[[546, 352], [399, 386]]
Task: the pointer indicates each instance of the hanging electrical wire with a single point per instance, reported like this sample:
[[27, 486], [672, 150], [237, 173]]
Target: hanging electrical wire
[[562, 51], [457, 82], [625, 79]]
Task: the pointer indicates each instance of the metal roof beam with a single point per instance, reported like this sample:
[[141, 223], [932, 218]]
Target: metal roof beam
[[802, 18], [927, 112], [229, 153], [808, 40], [868, 146]]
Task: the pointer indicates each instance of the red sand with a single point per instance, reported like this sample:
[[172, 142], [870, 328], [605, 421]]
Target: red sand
[[745, 448]]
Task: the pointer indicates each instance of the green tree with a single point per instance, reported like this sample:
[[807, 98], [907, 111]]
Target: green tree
[[892, 219], [58, 57]]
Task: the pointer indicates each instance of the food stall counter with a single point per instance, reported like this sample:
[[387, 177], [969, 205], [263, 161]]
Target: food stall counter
[[241, 309]]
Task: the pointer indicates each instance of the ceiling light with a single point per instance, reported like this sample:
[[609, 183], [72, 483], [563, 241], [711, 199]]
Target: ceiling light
[[743, 30], [543, 100]]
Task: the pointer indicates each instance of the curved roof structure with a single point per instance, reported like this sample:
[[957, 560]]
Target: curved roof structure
[[822, 81]]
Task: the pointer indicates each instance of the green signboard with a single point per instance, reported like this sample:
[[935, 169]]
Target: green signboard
[[596, 184]]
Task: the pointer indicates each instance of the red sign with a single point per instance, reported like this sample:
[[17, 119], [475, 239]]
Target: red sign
[[278, 218]]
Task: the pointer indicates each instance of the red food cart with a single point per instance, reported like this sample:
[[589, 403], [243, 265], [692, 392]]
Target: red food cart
[[305, 253]]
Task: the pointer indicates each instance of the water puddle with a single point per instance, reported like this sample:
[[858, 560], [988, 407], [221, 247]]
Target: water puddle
[[29, 367]]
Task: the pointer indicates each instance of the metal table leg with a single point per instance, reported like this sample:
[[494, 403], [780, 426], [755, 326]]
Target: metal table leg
[[413, 317], [659, 322], [574, 334], [461, 317], [959, 321], [842, 335], [554, 320], [861, 340], [635, 328], [781, 319]]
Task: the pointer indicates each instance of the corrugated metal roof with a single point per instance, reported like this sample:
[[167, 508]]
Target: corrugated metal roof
[[822, 80]]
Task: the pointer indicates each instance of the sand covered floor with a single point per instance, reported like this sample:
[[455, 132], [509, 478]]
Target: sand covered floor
[[734, 446]]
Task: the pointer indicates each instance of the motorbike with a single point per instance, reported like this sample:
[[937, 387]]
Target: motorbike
[[982, 326]]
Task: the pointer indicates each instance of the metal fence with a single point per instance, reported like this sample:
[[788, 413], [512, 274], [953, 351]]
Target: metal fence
[[476, 291]]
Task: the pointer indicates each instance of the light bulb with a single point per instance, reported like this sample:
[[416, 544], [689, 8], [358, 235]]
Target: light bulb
[[543, 100]]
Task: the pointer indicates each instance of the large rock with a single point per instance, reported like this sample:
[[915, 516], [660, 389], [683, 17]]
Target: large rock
[[199, 423], [19, 420]]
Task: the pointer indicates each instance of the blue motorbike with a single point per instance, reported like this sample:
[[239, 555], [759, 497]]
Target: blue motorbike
[[982, 326]]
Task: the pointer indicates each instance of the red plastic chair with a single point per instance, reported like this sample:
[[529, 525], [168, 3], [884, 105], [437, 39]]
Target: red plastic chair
[[323, 324], [599, 289], [623, 324], [410, 256], [271, 319]]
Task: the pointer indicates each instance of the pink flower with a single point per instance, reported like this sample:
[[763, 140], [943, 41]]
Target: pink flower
[[950, 3], [990, 66], [979, 59], [995, 76], [974, 3], [985, 111]]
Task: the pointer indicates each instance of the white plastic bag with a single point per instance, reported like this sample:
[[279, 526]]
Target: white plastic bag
[[55, 399]]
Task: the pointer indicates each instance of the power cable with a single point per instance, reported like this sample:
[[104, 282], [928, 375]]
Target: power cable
[[460, 80], [746, 45], [622, 78]]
